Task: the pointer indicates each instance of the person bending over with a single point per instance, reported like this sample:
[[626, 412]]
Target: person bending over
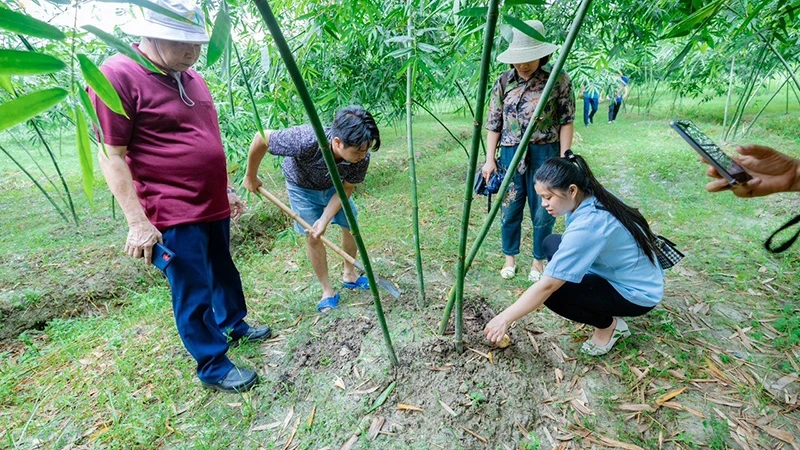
[[311, 192]]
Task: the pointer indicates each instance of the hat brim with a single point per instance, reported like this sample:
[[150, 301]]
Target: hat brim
[[521, 55], [143, 28]]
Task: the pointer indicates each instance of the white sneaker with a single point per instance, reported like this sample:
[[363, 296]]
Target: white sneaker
[[620, 331], [534, 275], [508, 272]]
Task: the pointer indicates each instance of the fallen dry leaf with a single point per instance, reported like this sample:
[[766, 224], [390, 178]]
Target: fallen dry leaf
[[636, 407], [364, 392], [670, 395], [447, 408], [339, 383], [350, 443], [405, 407], [291, 436], [559, 375], [375, 427], [476, 435], [311, 418], [533, 342]]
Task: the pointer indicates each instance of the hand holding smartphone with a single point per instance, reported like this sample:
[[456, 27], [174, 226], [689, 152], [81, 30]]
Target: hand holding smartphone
[[162, 256], [723, 163]]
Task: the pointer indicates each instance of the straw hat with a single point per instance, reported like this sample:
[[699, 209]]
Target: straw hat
[[524, 48], [158, 26]]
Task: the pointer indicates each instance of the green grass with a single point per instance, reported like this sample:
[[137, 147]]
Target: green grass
[[113, 373]]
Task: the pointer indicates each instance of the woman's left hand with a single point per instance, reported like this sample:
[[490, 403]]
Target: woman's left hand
[[496, 329]]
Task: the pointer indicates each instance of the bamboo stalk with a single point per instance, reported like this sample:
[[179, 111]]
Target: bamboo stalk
[[749, 95], [785, 82], [730, 92], [36, 183], [466, 152], [308, 103], [412, 164], [69, 202], [477, 131], [512, 168]]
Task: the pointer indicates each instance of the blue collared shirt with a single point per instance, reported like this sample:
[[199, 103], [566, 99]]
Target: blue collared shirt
[[595, 242]]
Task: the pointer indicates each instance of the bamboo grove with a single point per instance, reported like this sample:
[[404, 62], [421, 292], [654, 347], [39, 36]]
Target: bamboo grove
[[395, 57]]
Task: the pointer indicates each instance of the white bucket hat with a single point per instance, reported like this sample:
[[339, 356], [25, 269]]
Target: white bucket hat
[[524, 48], [158, 26]]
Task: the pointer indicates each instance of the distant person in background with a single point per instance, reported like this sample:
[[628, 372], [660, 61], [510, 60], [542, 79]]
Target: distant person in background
[[615, 100], [166, 166], [514, 98], [591, 100]]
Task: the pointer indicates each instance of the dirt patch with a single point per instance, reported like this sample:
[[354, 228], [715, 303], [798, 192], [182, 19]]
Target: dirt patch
[[342, 343], [259, 227], [54, 286], [491, 392]]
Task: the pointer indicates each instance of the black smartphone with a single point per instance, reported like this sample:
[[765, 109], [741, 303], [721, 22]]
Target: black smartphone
[[162, 256], [710, 151]]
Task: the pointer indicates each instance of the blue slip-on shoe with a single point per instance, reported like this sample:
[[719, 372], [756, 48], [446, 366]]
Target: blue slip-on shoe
[[328, 303], [362, 283]]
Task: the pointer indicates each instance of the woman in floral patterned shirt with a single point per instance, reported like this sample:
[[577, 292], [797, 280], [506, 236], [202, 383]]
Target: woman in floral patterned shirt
[[514, 98]]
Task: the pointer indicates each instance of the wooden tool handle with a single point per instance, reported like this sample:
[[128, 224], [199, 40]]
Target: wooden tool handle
[[305, 225]]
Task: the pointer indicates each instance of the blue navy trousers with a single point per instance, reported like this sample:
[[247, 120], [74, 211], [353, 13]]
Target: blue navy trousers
[[207, 297], [521, 191]]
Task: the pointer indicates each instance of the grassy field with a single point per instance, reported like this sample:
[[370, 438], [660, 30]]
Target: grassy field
[[90, 358]]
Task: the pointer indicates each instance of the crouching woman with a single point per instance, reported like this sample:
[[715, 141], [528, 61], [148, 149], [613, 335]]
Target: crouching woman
[[604, 267]]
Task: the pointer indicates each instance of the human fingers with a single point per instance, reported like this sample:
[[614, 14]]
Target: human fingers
[[718, 185], [712, 172], [148, 254], [756, 151]]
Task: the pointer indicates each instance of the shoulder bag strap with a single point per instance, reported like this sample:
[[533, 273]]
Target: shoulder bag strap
[[788, 243]]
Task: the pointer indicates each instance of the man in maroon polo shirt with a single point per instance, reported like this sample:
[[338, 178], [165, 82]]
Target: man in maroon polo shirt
[[166, 166]]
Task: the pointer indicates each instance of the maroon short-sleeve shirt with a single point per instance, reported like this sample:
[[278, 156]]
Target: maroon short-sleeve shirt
[[174, 151]]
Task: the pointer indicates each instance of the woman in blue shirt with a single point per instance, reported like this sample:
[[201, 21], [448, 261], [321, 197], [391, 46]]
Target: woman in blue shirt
[[602, 268]]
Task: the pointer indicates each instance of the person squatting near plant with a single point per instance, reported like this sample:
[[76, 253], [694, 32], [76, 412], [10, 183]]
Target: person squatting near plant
[[310, 187], [604, 266], [513, 101], [166, 167]]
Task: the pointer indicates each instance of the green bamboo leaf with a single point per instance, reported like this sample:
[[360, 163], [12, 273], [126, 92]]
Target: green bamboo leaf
[[16, 62], [88, 108], [427, 48], [382, 398], [122, 47], [525, 28], [148, 4], [85, 155], [683, 27], [100, 84], [219, 37], [479, 11], [524, 2], [5, 83], [23, 108], [24, 24]]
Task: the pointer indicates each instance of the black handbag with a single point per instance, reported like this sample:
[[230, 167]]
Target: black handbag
[[481, 187], [667, 253]]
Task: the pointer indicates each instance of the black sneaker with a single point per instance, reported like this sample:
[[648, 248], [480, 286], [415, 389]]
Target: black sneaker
[[237, 380], [253, 334]]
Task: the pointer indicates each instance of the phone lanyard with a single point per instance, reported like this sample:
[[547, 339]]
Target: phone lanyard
[[785, 246]]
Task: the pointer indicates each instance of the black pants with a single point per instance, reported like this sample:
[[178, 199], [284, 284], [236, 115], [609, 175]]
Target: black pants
[[593, 301], [613, 109]]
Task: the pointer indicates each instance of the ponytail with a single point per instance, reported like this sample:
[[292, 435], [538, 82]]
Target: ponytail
[[560, 173]]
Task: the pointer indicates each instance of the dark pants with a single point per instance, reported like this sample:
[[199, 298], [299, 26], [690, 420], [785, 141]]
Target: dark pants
[[521, 190], [592, 102], [613, 109], [593, 301], [207, 296]]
